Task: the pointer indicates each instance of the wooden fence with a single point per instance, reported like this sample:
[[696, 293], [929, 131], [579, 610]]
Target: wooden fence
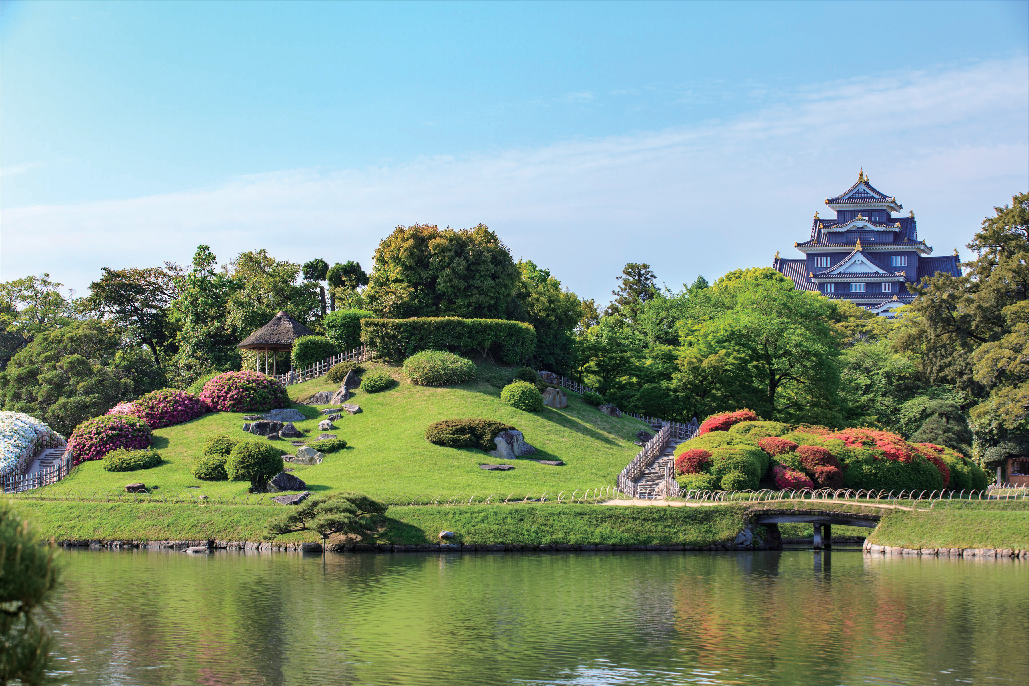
[[16, 483], [626, 482], [313, 371]]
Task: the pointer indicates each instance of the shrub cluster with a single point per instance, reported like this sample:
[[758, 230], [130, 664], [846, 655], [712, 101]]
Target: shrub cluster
[[790, 479], [822, 465], [254, 461], [773, 445], [437, 368], [210, 464], [725, 420], [397, 339], [21, 438], [244, 391], [377, 381], [692, 461], [310, 349], [466, 433], [329, 445], [522, 395], [122, 460], [94, 438], [338, 372], [343, 327], [592, 398], [197, 387], [167, 407], [527, 374]]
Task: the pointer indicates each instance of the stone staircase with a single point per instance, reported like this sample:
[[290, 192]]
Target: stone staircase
[[650, 481], [45, 460]]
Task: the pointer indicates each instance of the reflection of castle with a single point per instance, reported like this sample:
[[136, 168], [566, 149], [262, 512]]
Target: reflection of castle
[[865, 255]]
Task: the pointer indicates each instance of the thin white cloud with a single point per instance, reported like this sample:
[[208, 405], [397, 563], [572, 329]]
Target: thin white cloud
[[693, 200], [15, 169]]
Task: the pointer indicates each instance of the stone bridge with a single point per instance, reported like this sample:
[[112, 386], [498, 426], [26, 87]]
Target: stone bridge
[[822, 520]]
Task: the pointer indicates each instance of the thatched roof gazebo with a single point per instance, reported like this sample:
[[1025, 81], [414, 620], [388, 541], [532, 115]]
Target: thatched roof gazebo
[[278, 334]]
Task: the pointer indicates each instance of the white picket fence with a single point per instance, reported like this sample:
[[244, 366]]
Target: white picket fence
[[18, 482], [313, 371]]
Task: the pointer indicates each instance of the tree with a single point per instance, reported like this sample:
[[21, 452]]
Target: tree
[[316, 270], [264, 286], [339, 513], [28, 578], [422, 271], [43, 308], [138, 300], [553, 312], [636, 288], [876, 381], [346, 277]]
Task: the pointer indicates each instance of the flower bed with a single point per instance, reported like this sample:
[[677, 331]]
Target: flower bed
[[94, 438], [725, 420], [168, 406], [22, 437], [244, 391]]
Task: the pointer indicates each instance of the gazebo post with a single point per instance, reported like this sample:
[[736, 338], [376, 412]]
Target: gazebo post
[[275, 358]]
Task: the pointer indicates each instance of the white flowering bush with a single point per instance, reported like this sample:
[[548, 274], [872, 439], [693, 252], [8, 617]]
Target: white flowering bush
[[21, 438]]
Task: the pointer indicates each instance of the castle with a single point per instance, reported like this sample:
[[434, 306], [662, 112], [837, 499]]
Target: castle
[[865, 255]]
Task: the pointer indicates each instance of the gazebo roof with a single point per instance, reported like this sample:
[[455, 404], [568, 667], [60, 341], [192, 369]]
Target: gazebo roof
[[278, 334]]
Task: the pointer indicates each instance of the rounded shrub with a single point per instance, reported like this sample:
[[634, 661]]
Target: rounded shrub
[[692, 461], [329, 445], [790, 479], [527, 374], [338, 372], [438, 368], [94, 438], [964, 474], [310, 349], [821, 465], [725, 420], [757, 430], [738, 459], [209, 467], [698, 482], [773, 445], [710, 441], [523, 396], [592, 398], [466, 433], [122, 460], [377, 381], [737, 481], [168, 406], [244, 391], [253, 461], [219, 446]]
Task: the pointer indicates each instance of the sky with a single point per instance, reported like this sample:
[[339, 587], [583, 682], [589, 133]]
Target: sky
[[696, 137]]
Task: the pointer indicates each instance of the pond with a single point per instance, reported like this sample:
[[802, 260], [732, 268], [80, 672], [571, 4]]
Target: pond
[[791, 617]]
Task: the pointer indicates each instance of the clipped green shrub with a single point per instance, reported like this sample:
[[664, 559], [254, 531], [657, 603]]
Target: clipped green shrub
[[219, 446], [209, 467], [343, 327], [377, 381], [438, 368], [523, 396], [527, 374], [592, 398], [310, 349], [708, 441], [757, 430], [698, 482], [253, 461], [122, 460], [198, 385], [747, 460], [965, 474], [329, 445], [865, 470], [338, 372], [737, 481], [397, 339], [466, 433]]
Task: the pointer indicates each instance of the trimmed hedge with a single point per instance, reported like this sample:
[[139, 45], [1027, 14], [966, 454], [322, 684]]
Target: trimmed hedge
[[94, 438], [329, 445], [254, 461], [310, 349], [122, 460], [338, 372], [209, 468], [437, 368], [244, 391], [466, 433], [376, 382], [396, 339], [343, 327], [522, 395], [725, 420]]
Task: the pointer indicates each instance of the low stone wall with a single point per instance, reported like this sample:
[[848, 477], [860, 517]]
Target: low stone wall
[[979, 553]]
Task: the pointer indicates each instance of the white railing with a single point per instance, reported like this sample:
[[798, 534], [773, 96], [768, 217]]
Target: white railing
[[765, 495], [313, 371], [18, 482]]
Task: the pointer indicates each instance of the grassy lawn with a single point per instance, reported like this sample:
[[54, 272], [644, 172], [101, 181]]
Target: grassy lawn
[[958, 525], [388, 456]]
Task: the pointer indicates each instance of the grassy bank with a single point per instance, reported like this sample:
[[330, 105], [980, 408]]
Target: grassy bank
[[957, 525]]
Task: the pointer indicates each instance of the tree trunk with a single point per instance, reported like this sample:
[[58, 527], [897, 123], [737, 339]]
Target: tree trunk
[[321, 291]]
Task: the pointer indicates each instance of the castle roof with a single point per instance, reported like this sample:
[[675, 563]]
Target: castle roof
[[863, 193], [825, 232], [797, 271], [858, 265], [929, 266]]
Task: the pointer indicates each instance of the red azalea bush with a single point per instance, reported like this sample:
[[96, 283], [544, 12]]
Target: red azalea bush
[[244, 391], [893, 447], [788, 479], [777, 446], [723, 421], [821, 464], [934, 453], [168, 406], [94, 438], [692, 461]]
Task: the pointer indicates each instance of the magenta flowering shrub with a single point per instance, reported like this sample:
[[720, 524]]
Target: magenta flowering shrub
[[123, 409], [94, 438], [244, 391], [789, 479], [168, 406]]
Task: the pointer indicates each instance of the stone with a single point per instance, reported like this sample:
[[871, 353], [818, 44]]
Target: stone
[[291, 499], [325, 425], [496, 467], [286, 482], [350, 381], [550, 377], [555, 397], [643, 437], [135, 488], [341, 396], [351, 409], [326, 437], [287, 414], [510, 445], [307, 455], [311, 547], [552, 463], [610, 410], [252, 417], [290, 431], [331, 410], [446, 535], [198, 550], [272, 437], [263, 427], [296, 444], [320, 398]]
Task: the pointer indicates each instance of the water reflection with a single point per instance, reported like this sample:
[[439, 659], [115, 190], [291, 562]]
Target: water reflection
[[741, 618]]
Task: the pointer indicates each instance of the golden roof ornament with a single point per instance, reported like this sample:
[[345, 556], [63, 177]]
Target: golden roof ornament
[[810, 275], [777, 253], [857, 246], [861, 176], [816, 215], [794, 244], [911, 214], [956, 252]]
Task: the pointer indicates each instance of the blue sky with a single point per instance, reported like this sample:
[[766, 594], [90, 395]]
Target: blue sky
[[697, 137]]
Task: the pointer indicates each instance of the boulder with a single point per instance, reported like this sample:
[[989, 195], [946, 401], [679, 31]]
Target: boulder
[[307, 455], [446, 534], [272, 437], [290, 431], [350, 381], [510, 445], [334, 417], [330, 410], [292, 498], [552, 463], [198, 550], [135, 488], [320, 398], [286, 482], [326, 437], [252, 417], [352, 409], [550, 377], [263, 427], [325, 425], [610, 410], [643, 437], [555, 397], [341, 396], [496, 467], [288, 414]]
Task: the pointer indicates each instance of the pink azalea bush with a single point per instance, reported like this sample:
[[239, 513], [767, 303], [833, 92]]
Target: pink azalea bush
[[123, 409], [168, 406], [789, 479], [244, 391], [94, 438]]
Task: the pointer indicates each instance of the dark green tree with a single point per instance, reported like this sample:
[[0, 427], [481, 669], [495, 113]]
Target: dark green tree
[[554, 313], [316, 271], [339, 513], [345, 279], [636, 287]]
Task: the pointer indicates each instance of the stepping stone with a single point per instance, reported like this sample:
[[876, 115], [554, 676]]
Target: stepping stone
[[496, 467], [552, 463], [135, 488], [292, 499], [326, 437], [352, 409]]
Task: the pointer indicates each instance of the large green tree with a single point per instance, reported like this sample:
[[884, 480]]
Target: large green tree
[[425, 271], [29, 306], [636, 286], [344, 280], [554, 313]]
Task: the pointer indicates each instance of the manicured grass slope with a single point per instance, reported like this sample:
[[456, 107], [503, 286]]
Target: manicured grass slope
[[388, 456], [990, 525]]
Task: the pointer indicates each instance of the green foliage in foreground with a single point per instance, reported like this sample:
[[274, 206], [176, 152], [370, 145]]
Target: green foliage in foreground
[[339, 513], [28, 577]]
